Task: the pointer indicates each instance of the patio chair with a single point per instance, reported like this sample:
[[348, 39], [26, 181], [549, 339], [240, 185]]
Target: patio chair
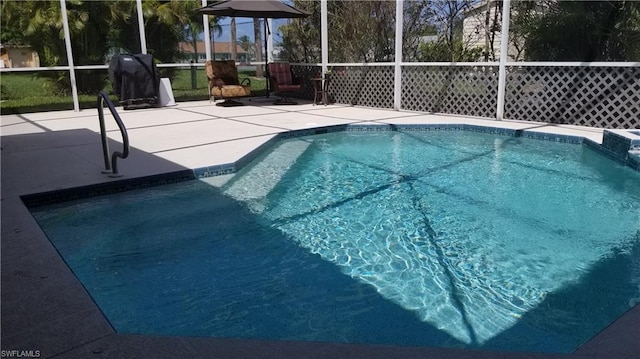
[[282, 82], [224, 83]]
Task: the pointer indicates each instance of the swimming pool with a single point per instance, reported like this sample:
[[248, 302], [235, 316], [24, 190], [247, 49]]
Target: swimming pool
[[450, 239]]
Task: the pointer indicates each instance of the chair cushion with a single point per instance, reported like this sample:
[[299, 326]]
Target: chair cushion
[[226, 80], [281, 72], [228, 91], [220, 69]]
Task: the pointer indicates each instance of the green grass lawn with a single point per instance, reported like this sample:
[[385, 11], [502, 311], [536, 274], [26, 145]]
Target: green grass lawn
[[27, 92]]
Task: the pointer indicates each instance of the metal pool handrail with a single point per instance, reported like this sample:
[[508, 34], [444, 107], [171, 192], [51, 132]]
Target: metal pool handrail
[[111, 165]]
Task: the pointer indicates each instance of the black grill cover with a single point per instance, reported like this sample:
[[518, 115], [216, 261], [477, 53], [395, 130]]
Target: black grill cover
[[134, 78]]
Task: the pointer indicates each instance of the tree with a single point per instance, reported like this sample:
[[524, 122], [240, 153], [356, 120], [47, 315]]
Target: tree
[[38, 24], [246, 45], [234, 40], [258, 44], [364, 31], [194, 25], [448, 16], [492, 23], [523, 13], [583, 31], [164, 23], [301, 37], [361, 31], [456, 51], [415, 28]]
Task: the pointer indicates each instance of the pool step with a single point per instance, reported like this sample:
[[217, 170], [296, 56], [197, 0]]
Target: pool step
[[623, 145], [253, 184]]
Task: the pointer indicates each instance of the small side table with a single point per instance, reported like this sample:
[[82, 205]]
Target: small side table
[[320, 89]]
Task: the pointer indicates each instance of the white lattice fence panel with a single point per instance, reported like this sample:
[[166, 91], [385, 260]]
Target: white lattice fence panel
[[461, 90], [370, 86], [607, 97]]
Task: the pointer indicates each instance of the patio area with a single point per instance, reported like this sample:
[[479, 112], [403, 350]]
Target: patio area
[[46, 309]]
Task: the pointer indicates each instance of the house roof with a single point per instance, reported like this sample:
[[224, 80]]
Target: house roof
[[219, 47], [480, 5]]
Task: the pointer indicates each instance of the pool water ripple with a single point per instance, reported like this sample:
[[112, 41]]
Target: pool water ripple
[[465, 265]]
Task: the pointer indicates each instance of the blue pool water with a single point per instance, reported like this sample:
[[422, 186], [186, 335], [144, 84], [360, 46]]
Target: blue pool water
[[449, 239]]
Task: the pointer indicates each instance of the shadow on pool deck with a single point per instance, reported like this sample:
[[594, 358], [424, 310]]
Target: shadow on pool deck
[[42, 162], [45, 308]]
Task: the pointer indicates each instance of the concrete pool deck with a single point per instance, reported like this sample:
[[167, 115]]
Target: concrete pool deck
[[46, 309]]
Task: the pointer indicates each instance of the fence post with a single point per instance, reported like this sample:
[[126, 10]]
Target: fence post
[[67, 42], [207, 39], [504, 54], [324, 37], [397, 73], [143, 36], [194, 83]]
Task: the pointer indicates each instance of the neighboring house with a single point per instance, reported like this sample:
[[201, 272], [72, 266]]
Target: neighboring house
[[482, 28], [221, 51], [18, 56]]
